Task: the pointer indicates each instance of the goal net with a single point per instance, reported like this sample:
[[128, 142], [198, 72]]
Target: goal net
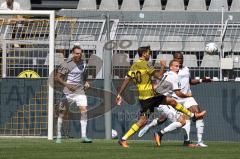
[[27, 61]]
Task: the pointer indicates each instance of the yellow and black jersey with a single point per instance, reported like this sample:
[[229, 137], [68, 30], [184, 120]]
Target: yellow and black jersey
[[140, 72]]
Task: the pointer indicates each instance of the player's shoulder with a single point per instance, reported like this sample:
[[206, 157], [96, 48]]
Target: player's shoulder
[[171, 73], [185, 68]]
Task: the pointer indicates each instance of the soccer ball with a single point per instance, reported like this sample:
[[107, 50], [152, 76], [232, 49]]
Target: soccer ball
[[114, 134], [211, 48]]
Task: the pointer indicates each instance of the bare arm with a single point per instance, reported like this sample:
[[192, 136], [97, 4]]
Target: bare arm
[[197, 81], [159, 73], [181, 94], [60, 78]]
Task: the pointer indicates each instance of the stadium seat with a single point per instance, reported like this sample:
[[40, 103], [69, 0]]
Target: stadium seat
[[236, 60], [166, 57], [24, 4], [175, 5], [190, 60], [194, 43], [87, 5], [109, 5], [95, 64], [130, 5], [228, 44], [172, 43], [196, 5], [120, 59], [216, 5], [235, 5], [152, 5], [210, 61], [120, 64], [58, 59], [153, 41], [235, 45]]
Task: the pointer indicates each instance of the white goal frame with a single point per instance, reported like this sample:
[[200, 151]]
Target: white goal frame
[[51, 15]]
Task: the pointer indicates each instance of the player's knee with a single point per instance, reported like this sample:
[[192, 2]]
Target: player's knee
[[194, 109], [83, 109], [142, 121], [182, 120], [170, 101]]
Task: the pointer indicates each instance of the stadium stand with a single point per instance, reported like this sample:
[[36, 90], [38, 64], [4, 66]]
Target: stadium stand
[[196, 5], [216, 5], [87, 5], [152, 5], [235, 5], [174, 5], [132, 5], [194, 43], [210, 61], [190, 61], [109, 5], [172, 43], [121, 64]]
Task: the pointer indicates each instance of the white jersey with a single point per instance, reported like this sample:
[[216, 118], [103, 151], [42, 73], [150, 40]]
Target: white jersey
[[184, 77], [172, 77], [16, 6]]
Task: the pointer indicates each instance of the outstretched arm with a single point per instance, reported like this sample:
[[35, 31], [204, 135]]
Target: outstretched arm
[[197, 81], [182, 95]]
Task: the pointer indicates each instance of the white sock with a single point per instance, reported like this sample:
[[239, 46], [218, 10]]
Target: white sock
[[200, 128], [83, 123], [153, 123], [171, 127], [187, 127], [59, 127]]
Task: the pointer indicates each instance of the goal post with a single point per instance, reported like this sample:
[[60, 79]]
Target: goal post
[[51, 43]]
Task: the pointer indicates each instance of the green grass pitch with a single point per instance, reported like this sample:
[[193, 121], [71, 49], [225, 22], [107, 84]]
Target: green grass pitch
[[11, 148]]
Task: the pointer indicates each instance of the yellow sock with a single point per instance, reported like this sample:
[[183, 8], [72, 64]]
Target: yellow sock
[[131, 131], [184, 110]]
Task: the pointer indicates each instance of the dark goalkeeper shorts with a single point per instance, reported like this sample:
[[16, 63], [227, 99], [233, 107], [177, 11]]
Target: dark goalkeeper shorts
[[148, 105]]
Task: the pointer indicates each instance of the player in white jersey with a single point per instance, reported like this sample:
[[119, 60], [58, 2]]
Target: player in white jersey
[[174, 91], [71, 75], [190, 103]]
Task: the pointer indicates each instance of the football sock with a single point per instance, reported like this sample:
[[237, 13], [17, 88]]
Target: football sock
[[59, 127], [131, 131], [153, 123], [184, 110], [171, 127], [200, 128], [83, 123], [186, 127]]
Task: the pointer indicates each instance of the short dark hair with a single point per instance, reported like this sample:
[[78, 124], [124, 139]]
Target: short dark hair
[[143, 49], [76, 47], [172, 61], [177, 53]]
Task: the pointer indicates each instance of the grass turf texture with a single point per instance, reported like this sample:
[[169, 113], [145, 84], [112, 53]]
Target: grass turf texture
[[102, 149]]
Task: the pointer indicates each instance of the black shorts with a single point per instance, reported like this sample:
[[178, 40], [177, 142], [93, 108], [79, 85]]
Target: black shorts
[[148, 105]]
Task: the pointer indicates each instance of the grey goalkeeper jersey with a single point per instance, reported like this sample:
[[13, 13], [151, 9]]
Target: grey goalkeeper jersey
[[74, 74]]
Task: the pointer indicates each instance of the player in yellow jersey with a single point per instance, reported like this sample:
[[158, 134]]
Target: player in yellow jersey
[[141, 72]]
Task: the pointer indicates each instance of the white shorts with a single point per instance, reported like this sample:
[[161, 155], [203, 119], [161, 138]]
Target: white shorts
[[169, 112], [187, 102], [79, 99]]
